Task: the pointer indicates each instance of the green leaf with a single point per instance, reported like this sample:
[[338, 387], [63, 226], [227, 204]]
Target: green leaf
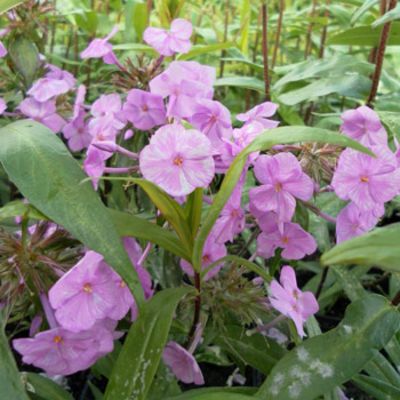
[[201, 49], [388, 17], [245, 19], [392, 122], [6, 5], [45, 172], [365, 36], [256, 350], [377, 248], [18, 208], [350, 85], [272, 137], [380, 390], [244, 82], [140, 356], [367, 4], [25, 58], [216, 393], [330, 359], [323, 68], [10, 381], [136, 16], [46, 389], [132, 225], [170, 210], [193, 209]]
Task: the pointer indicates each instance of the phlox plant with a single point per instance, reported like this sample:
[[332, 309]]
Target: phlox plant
[[157, 231]]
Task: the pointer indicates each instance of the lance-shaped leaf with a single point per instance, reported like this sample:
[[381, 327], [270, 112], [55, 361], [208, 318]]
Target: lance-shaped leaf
[[379, 247], [10, 381], [45, 172], [140, 356], [328, 360]]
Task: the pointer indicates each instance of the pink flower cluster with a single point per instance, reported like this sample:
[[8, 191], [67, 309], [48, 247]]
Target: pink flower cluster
[[368, 182], [84, 307]]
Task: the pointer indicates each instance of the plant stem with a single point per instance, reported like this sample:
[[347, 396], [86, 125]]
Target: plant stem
[[321, 282], [197, 309], [223, 52], [380, 57], [265, 50], [320, 213], [278, 33], [308, 47], [324, 30]]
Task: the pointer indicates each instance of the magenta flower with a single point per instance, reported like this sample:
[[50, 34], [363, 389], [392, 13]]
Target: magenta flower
[[85, 294], [366, 180], [182, 364], [260, 114], [178, 160], [45, 113], [184, 82], [363, 124], [61, 352], [232, 220], [3, 50], [289, 300], [294, 241], [212, 252], [3, 106], [100, 48], [213, 119], [145, 110], [168, 43], [352, 222], [108, 117], [283, 181]]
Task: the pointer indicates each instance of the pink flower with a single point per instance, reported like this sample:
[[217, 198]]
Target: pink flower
[[183, 364], [100, 48], [167, 43], [125, 301], [282, 182], [108, 117], [54, 83], [95, 163], [178, 160], [212, 252], [352, 222], [363, 124], [61, 352], [367, 180], [231, 221], [79, 105], [77, 133], [260, 114], [85, 294], [45, 113], [213, 119], [294, 241], [184, 82], [289, 300], [3, 50], [3, 106], [145, 110], [241, 138]]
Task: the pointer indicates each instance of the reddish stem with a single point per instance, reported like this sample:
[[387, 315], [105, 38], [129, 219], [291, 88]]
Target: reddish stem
[[265, 50], [278, 33], [380, 57]]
